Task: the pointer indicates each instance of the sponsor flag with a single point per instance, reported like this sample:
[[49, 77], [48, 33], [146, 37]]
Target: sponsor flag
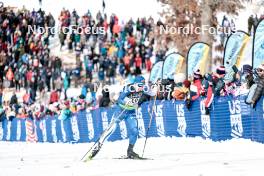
[[156, 72], [258, 45], [197, 58], [172, 65], [234, 49]]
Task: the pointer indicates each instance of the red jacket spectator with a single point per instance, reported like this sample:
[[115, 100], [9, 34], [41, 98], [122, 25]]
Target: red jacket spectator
[[54, 97], [29, 75], [148, 65], [138, 61], [131, 40], [196, 87], [126, 60], [26, 98], [10, 74], [116, 28]]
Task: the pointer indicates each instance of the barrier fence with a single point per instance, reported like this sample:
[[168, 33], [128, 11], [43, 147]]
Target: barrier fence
[[229, 118]]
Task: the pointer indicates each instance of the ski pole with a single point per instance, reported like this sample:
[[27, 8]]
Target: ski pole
[[151, 117]]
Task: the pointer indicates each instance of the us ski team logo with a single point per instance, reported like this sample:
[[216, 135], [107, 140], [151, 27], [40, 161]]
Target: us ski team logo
[[44, 130], [181, 119], [18, 133], [235, 118], [53, 131], [104, 120], [75, 128], [205, 120], [159, 120], [8, 133], [89, 120]]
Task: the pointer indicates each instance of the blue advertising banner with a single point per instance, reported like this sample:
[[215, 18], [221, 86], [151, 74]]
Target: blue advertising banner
[[229, 118]]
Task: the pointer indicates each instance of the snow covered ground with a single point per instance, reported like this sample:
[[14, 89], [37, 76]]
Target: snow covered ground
[[171, 156]]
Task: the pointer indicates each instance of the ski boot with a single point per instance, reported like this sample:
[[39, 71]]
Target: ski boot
[[130, 153]]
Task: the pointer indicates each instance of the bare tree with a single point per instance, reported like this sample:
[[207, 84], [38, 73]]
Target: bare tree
[[184, 13]]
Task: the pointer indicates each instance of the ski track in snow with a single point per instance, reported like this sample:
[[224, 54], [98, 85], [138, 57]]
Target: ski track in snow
[[171, 156]]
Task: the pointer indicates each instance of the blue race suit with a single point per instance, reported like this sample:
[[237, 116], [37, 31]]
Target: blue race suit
[[125, 110]]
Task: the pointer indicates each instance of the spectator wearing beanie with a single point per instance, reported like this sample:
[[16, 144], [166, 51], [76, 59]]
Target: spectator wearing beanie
[[247, 75], [181, 93], [218, 81], [196, 86], [208, 92], [259, 86]]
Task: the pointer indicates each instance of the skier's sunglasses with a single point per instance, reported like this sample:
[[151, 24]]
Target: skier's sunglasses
[[140, 84]]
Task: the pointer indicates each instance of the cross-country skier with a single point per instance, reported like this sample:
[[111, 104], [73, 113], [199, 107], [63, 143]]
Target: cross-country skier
[[132, 96]]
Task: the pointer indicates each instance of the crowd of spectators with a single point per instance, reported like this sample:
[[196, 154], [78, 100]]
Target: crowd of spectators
[[247, 81], [253, 22], [123, 49], [107, 50]]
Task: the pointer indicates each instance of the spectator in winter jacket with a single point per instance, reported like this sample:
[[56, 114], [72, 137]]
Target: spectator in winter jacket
[[13, 99], [196, 86], [65, 113], [26, 98], [101, 75], [66, 84], [10, 76], [148, 64], [250, 23], [247, 76], [138, 64], [84, 90], [256, 20], [54, 97], [208, 92], [181, 92], [88, 64], [232, 82], [218, 81], [260, 85], [105, 100], [122, 68]]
